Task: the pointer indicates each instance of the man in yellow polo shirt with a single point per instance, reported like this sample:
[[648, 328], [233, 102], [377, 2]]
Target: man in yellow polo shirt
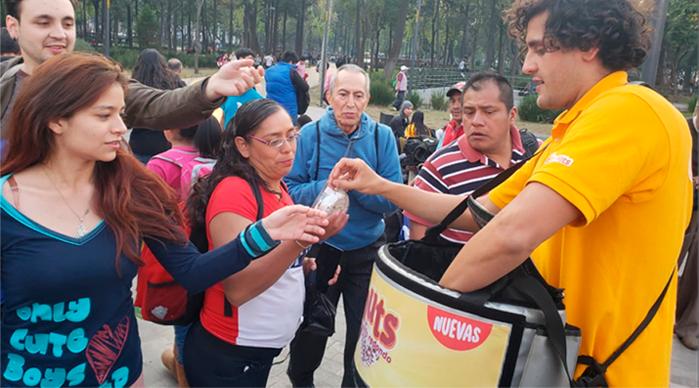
[[605, 204]]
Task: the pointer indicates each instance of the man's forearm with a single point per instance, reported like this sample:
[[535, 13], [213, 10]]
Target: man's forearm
[[432, 207], [148, 107]]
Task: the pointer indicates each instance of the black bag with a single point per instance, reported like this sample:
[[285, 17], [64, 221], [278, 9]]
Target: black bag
[[318, 310]]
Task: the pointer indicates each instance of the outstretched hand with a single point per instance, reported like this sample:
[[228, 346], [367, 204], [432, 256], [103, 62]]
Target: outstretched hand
[[233, 79], [296, 222], [354, 174]]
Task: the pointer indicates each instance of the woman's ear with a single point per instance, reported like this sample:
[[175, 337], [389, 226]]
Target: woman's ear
[[243, 146], [58, 126]]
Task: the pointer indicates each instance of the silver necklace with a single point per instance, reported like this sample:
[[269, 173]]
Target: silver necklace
[[81, 232]]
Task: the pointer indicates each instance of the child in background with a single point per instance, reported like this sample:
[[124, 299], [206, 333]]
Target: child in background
[[190, 147]]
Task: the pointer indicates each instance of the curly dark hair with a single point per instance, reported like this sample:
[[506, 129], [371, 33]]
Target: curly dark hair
[[230, 162], [614, 26]]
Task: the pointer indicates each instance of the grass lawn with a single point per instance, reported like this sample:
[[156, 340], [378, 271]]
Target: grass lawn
[[188, 72]]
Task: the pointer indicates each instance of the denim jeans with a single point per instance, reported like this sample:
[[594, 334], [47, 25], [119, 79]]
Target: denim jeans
[[211, 362]]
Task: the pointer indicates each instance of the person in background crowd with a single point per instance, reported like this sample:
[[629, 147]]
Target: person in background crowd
[[687, 316], [344, 129], [329, 74], [400, 121], [454, 128], [582, 206], [417, 127], [285, 86], [170, 166], [301, 69], [401, 86], [491, 144], [146, 107], [151, 69], [175, 66], [8, 46], [247, 319], [268, 61], [74, 211], [233, 103]]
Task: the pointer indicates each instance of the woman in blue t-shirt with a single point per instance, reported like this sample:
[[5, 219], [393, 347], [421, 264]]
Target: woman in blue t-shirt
[[74, 209]]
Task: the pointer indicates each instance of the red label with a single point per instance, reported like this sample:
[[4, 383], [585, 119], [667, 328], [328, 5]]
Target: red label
[[457, 332]]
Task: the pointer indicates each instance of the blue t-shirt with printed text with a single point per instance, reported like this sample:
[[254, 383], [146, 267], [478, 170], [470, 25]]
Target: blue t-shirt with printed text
[[67, 313]]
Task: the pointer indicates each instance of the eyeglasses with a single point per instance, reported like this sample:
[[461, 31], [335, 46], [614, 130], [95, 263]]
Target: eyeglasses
[[278, 142]]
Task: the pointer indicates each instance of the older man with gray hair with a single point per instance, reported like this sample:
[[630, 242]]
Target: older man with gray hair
[[344, 130]]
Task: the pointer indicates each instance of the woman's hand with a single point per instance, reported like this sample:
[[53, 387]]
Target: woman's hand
[[296, 222], [336, 222], [354, 174], [309, 265]]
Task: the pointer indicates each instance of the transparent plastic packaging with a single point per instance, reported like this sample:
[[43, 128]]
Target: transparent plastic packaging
[[332, 200]]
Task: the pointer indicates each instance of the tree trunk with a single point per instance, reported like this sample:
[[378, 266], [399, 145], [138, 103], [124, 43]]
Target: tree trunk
[[447, 36], [170, 25], [203, 25], [514, 64], [397, 39], [230, 24], [474, 41], [492, 25], [250, 16], [300, 19], [129, 26], [375, 62], [189, 25], [358, 52], [214, 29], [501, 40], [275, 26], [464, 36], [435, 18], [197, 40], [98, 30], [286, 13]]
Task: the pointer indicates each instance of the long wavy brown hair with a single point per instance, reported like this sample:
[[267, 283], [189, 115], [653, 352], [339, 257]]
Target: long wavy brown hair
[[131, 200]]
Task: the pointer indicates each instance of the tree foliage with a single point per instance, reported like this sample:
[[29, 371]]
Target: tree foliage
[[378, 33], [147, 28]]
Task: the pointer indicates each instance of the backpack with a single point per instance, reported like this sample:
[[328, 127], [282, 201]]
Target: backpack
[[529, 141], [164, 301]]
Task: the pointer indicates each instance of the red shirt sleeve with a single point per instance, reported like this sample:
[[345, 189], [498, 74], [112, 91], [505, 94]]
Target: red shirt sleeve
[[232, 195]]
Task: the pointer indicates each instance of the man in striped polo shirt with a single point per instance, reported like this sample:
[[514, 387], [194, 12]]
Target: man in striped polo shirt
[[490, 144]]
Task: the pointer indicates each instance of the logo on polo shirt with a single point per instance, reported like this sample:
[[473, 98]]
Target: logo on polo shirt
[[561, 159]]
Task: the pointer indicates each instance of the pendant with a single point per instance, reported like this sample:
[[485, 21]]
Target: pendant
[[81, 230]]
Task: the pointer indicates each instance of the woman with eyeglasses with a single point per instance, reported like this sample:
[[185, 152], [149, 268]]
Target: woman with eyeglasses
[[248, 318]]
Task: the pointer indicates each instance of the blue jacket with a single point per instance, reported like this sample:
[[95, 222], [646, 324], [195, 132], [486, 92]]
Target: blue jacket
[[280, 89], [230, 107], [365, 211]]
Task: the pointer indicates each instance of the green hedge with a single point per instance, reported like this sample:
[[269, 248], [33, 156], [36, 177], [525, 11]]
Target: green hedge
[[381, 90], [128, 56], [691, 104], [438, 101], [529, 111], [415, 99], [82, 46]]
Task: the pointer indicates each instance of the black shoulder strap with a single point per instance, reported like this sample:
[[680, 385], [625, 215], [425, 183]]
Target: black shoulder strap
[[227, 307], [594, 373], [317, 149], [434, 232], [376, 145]]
